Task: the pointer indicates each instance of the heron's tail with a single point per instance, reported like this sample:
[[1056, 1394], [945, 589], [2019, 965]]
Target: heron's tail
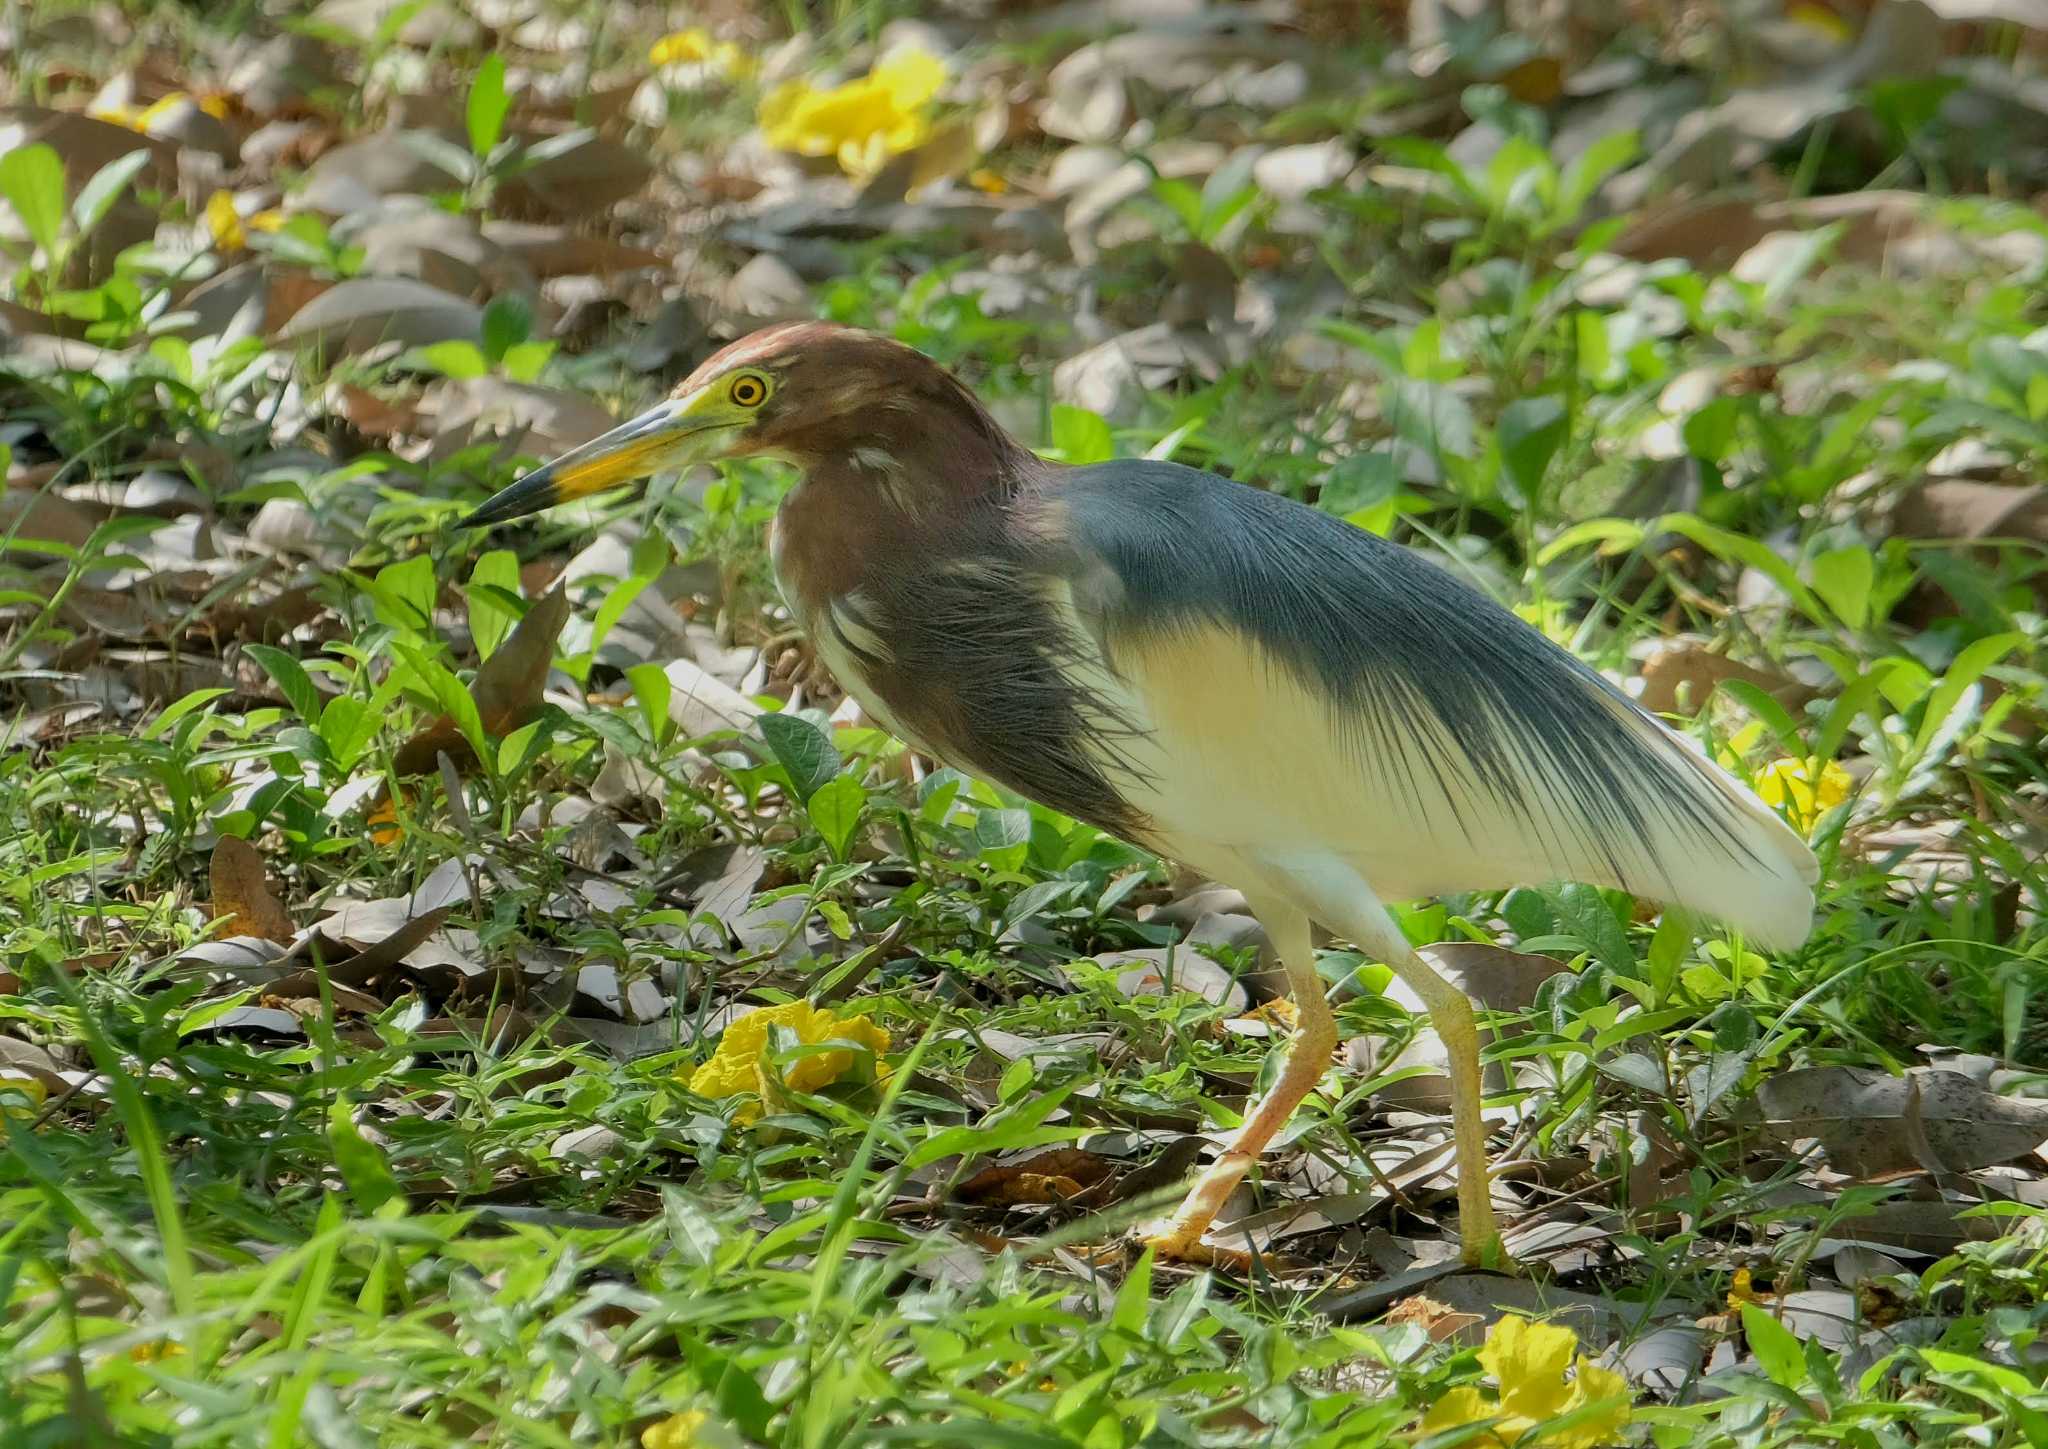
[[1755, 873]]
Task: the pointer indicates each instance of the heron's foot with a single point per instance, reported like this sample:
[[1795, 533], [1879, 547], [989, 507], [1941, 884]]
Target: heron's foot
[[1184, 1245]]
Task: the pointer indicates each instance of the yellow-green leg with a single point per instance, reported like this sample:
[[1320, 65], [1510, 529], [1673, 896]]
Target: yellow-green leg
[[1334, 892], [1451, 1014], [1308, 1056]]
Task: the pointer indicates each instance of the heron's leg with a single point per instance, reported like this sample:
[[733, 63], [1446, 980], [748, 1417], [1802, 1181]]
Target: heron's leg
[[1343, 901], [1451, 1013], [1308, 1056]]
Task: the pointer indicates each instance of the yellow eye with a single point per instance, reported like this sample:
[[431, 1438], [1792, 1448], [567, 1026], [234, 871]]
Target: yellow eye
[[748, 390]]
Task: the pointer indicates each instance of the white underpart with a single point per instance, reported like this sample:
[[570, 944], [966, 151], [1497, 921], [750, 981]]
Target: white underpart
[[1244, 767]]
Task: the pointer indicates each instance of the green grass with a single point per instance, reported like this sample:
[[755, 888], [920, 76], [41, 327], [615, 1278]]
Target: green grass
[[429, 1207]]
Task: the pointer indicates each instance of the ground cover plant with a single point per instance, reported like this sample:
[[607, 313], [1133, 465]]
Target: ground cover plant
[[463, 989]]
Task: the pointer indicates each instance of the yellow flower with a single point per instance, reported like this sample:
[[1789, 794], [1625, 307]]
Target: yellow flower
[[1791, 785], [144, 118], [696, 46], [743, 1062], [21, 1095], [983, 179], [863, 122], [1529, 1362], [225, 222], [677, 1431]]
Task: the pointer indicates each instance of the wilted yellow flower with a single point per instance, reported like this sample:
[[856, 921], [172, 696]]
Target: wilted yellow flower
[[143, 118], [20, 1096], [743, 1063], [225, 222], [677, 1431], [230, 228], [697, 46], [863, 122], [1794, 787], [1529, 1362]]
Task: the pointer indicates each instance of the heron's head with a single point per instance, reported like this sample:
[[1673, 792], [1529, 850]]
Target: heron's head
[[808, 392]]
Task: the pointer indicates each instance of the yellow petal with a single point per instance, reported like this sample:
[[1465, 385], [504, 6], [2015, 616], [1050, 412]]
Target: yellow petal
[[911, 76], [677, 1431], [742, 1064], [682, 47], [225, 223], [1528, 1360], [1455, 1409], [1592, 1384]]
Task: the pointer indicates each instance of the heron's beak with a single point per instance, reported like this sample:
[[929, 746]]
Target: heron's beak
[[672, 434]]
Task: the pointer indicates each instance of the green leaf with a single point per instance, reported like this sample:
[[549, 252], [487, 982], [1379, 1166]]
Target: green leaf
[[98, 195], [614, 608], [32, 181], [802, 749], [508, 321], [488, 105], [489, 618], [1531, 431], [1843, 578], [454, 358], [652, 688], [1081, 436], [362, 1163], [1775, 1347], [291, 679], [1966, 671], [1585, 913], [404, 593], [523, 361], [1710, 431], [836, 807]]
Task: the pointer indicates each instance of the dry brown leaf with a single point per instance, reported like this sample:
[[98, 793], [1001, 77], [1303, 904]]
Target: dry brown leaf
[[507, 689], [1680, 674], [1872, 1123], [1064, 1175], [1439, 1320], [241, 893]]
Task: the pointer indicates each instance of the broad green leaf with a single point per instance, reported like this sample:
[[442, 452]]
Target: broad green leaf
[[1843, 578], [98, 195], [614, 608], [519, 746], [1710, 432], [455, 358], [488, 103], [1966, 671], [508, 321], [32, 181], [490, 620], [177, 709], [836, 808], [802, 749], [1530, 432], [362, 1162], [1582, 177], [1081, 436], [1776, 1347], [523, 361], [404, 594], [291, 679], [652, 688]]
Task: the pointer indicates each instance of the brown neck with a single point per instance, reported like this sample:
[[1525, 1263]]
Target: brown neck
[[875, 496]]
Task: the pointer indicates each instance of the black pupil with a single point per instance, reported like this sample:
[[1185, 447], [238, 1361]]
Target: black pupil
[[749, 390]]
